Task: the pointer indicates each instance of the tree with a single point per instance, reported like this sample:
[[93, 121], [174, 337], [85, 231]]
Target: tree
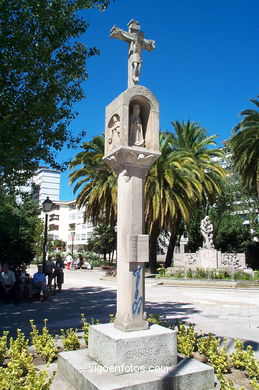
[[20, 230], [42, 66], [170, 190], [98, 184], [192, 140], [244, 145], [103, 241]]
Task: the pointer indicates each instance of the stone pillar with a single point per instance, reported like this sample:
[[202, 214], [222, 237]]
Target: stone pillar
[[131, 165]]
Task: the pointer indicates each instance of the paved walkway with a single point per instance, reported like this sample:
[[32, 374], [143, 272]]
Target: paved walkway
[[226, 312]]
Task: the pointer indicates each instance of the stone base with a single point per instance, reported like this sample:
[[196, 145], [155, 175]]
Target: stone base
[[208, 258], [84, 373], [156, 346]]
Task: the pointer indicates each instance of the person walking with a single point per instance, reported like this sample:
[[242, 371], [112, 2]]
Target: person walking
[[59, 272]]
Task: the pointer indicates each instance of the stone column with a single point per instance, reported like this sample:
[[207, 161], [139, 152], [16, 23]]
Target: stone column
[[131, 165]]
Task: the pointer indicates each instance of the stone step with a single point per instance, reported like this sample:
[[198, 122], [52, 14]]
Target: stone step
[[84, 373]]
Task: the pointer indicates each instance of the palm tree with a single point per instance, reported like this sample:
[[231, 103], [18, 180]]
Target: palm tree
[[98, 183], [190, 138], [171, 188], [244, 145]]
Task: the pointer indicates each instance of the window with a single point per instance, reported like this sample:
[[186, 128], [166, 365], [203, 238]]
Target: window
[[83, 236]]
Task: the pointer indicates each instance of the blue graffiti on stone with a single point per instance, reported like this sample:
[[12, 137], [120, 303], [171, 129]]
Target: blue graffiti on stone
[[137, 299]]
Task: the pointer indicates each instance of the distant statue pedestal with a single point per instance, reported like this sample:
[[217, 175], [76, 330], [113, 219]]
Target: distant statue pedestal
[[207, 258]]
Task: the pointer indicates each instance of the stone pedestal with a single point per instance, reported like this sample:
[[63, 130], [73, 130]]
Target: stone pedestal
[[207, 258], [109, 346]]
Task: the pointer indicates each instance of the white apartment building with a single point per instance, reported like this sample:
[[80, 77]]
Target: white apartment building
[[46, 182], [66, 223], [65, 220]]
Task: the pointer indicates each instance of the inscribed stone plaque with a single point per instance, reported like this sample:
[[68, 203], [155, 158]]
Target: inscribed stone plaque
[[143, 248], [138, 247], [132, 248]]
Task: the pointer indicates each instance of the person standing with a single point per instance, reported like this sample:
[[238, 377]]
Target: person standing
[[8, 284], [59, 272], [69, 260], [49, 270], [24, 283]]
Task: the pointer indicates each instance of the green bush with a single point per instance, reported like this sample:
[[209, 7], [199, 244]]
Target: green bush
[[209, 346], [186, 339], [44, 343], [70, 339], [242, 276]]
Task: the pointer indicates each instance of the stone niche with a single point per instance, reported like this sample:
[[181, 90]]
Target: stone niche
[[118, 120]]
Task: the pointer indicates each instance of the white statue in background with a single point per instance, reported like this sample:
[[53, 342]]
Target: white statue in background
[[136, 131], [207, 233]]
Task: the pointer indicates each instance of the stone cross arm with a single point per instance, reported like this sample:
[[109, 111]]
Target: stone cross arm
[[119, 33]]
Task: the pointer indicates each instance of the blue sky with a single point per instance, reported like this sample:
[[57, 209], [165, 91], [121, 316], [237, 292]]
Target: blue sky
[[204, 67]]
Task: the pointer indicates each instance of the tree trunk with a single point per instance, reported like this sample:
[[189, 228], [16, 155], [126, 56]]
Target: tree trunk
[[153, 248], [172, 242]]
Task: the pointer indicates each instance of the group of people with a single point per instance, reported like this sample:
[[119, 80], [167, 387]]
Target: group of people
[[77, 264], [17, 285]]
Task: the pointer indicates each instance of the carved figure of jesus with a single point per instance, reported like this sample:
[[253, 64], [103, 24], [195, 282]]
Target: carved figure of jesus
[[136, 132], [136, 41]]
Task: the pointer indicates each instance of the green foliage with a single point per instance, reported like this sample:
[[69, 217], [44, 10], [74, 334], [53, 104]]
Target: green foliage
[[244, 359], [112, 318], [97, 183], [161, 271], [19, 373], [226, 384], [103, 240], [20, 229], [186, 339], [154, 318], [201, 273], [3, 345], [244, 145], [209, 346], [43, 66], [86, 325], [242, 276], [44, 343], [70, 339]]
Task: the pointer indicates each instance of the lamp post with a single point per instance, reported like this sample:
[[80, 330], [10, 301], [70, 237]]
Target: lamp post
[[73, 237], [46, 205]]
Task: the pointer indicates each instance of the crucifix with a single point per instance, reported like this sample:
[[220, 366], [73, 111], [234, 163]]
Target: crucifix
[[137, 43]]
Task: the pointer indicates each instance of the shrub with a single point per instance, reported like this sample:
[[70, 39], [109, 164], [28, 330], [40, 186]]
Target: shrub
[[3, 345], [209, 346], [44, 343], [70, 339], [186, 339]]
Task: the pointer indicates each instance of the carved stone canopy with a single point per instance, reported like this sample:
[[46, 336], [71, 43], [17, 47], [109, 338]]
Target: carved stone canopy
[[123, 111]]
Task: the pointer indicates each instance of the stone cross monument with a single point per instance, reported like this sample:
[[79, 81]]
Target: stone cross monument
[[129, 346], [137, 43], [131, 146]]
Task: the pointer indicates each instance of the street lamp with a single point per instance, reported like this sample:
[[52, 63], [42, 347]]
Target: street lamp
[[73, 237], [47, 206]]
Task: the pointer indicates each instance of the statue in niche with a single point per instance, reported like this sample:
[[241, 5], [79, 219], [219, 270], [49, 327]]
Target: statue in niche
[[114, 139], [135, 128], [207, 233]]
